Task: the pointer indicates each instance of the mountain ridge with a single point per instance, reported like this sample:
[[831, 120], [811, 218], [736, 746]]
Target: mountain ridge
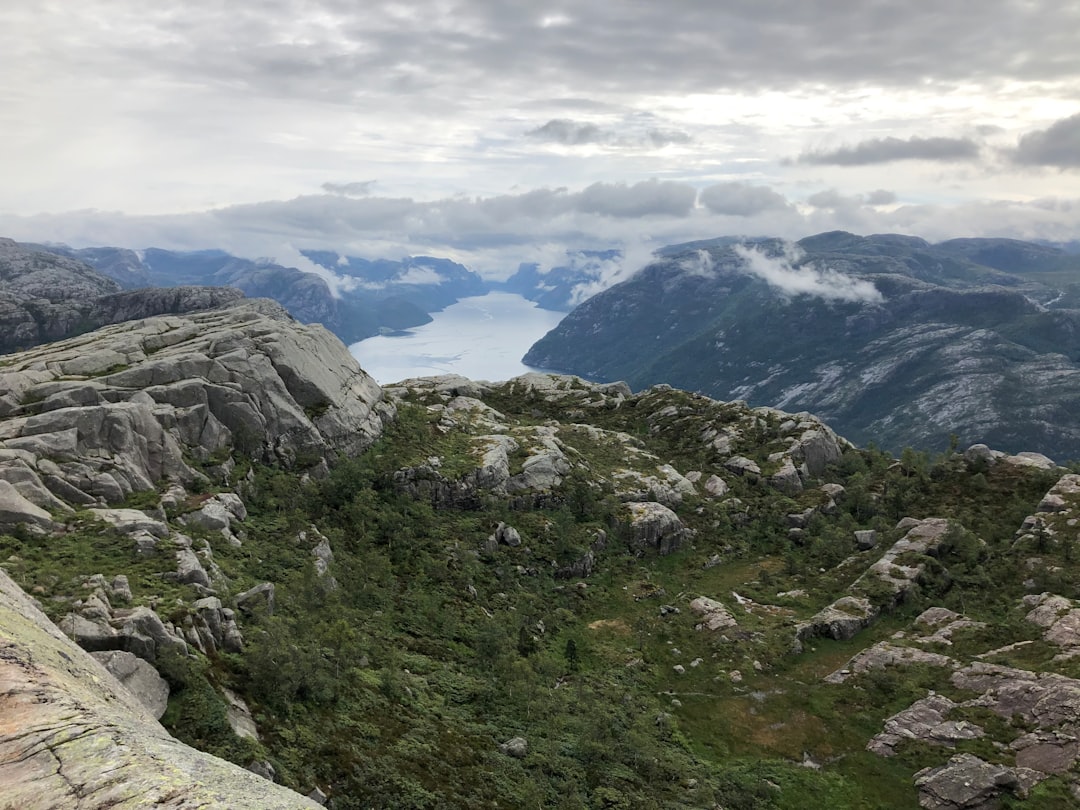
[[953, 347]]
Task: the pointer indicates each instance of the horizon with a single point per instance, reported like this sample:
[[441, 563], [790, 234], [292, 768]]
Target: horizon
[[494, 136]]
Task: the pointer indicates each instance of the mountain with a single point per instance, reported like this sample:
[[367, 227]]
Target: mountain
[[45, 297], [424, 281], [538, 593], [563, 287], [308, 297], [891, 339]]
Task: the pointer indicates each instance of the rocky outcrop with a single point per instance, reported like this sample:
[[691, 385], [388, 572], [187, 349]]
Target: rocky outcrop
[[72, 736], [96, 418], [46, 297], [138, 677], [1060, 619], [965, 782], [714, 615], [884, 584], [925, 720], [925, 353], [652, 525]]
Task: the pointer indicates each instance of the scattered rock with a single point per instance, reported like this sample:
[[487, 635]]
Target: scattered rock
[[716, 486], [965, 782], [506, 535], [866, 539], [924, 720], [714, 616], [516, 747], [740, 465], [884, 654], [261, 597]]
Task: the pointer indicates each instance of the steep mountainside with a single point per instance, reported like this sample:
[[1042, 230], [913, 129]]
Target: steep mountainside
[[45, 297], [424, 281], [539, 593], [375, 296], [564, 287], [939, 345]]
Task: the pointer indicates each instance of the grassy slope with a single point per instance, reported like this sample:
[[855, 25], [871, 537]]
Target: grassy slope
[[395, 689]]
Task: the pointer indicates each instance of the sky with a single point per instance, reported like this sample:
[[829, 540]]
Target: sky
[[497, 132]]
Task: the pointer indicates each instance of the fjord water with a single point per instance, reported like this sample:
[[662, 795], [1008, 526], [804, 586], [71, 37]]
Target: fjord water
[[482, 337]]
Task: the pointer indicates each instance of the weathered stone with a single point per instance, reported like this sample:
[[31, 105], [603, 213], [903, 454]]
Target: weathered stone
[[885, 654], [189, 569], [817, 448], [247, 376], [16, 510], [72, 736], [865, 539], [716, 486], [141, 631], [653, 525], [714, 616], [121, 588], [787, 478], [1036, 460], [516, 747], [138, 677], [924, 720], [507, 535], [261, 597], [132, 521], [740, 465], [965, 782], [979, 455], [239, 716]]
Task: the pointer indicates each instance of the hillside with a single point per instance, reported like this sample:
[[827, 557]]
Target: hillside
[[46, 297], [890, 339], [369, 297], [538, 593]]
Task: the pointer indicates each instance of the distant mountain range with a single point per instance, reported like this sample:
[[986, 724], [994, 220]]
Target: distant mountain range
[[374, 296], [891, 339], [563, 287]]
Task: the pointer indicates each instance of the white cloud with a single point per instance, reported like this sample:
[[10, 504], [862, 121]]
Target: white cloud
[[821, 282]]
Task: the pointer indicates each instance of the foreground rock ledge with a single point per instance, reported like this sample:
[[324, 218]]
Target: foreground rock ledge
[[71, 736]]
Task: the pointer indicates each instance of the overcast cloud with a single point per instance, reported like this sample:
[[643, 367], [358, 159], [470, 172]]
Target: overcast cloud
[[886, 150], [1057, 145], [502, 132]]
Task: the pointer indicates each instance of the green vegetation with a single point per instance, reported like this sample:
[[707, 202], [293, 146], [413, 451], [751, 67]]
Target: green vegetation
[[395, 688]]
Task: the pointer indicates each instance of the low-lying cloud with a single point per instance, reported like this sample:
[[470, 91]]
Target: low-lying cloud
[[567, 132], [1057, 145], [741, 199], [780, 272], [355, 189], [887, 150], [832, 199]]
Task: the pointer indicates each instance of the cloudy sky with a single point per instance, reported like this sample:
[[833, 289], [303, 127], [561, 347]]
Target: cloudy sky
[[497, 131]]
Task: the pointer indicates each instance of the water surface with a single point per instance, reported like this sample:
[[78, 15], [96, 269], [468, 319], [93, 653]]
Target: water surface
[[482, 338]]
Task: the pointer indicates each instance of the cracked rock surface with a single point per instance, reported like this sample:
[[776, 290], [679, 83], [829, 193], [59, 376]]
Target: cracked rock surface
[[71, 736]]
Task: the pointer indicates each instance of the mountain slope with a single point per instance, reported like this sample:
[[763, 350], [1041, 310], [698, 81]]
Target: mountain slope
[[538, 593], [939, 345], [46, 297]]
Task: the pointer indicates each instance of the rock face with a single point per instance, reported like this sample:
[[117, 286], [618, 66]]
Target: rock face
[[95, 418], [653, 525], [72, 736], [138, 677], [965, 782]]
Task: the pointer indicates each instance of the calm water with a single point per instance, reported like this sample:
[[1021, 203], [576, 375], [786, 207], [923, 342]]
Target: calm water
[[482, 338]]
